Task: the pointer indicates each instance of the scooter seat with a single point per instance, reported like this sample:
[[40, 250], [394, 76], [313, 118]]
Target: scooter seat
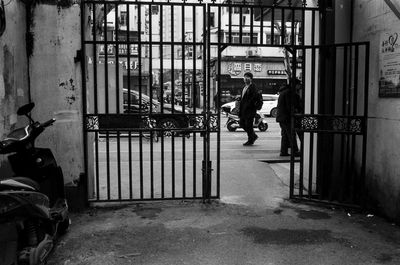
[[19, 183]]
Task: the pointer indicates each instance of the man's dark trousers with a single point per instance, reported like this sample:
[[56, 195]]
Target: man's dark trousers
[[247, 125], [286, 138]]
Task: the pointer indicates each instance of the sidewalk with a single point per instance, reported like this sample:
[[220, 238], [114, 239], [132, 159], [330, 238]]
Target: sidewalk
[[249, 226]]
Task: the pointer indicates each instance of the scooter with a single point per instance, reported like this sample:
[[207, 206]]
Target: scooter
[[33, 208], [233, 122]]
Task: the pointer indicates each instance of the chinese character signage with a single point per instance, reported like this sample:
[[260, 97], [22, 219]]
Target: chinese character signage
[[389, 64], [260, 70], [276, 72], [122, 49]]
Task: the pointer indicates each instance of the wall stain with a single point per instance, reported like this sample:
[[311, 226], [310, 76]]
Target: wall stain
[[384, 258], [314, 215], [8, 72], [291, 237], [70, 99]]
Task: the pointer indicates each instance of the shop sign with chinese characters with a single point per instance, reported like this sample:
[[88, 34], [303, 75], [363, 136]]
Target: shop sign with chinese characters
[[122, 49], [239, 68]]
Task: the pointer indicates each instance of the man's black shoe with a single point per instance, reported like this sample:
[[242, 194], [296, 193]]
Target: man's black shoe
[[255, 138], [248, 143], [284, 154]]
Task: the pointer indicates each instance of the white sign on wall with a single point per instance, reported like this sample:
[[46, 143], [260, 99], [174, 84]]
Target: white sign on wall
[[389, 63]]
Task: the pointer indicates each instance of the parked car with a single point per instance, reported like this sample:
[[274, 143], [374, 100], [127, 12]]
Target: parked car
[[133, 106], [172, 117], [269, 107]]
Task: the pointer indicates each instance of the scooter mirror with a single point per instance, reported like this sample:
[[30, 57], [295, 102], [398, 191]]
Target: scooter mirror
[[25, 109]]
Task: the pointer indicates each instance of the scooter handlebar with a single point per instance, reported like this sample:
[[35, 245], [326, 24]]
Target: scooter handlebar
[[48, 123]]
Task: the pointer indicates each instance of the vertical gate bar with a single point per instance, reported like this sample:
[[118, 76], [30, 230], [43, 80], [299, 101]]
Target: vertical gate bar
[[251, 24], [219, 110], [312, 103], [272, 26], [208, 112], [230, 23], [240, 24], [130, 163], [106, 99], [105, 59], [344, 100], [117, 58], [303, 83], [292, 130], [94, 63], [353, 140], [84, 100], [365, 125], [117, 99], [119, 164], [128, 70], [262, 26], [348, 113], [292, 28], [161, 53], [128, 67], [313, 55], [150, 47], [333, 96], [303, 30], [205, 67], [283, 26], [108, 164], [183, 97], [96, 146], [139, 26], [194, 93], [173, 100]]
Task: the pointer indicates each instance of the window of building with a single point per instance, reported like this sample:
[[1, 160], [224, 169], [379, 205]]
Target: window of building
[[122, 18], [245, 37]]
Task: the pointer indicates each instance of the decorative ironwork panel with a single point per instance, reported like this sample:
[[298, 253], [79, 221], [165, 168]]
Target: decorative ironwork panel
[[92, 123], [330, 124], [135, 122]]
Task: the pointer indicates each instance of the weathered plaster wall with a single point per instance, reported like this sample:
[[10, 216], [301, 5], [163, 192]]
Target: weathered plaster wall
[[372, 17], [13, 74], [56, 82]]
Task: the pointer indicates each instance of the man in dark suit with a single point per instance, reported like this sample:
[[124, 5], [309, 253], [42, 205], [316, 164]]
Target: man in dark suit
[[247, 109], [283, 116]]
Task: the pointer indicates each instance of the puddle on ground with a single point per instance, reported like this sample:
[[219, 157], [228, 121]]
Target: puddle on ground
[[149, 213], [290, 237]]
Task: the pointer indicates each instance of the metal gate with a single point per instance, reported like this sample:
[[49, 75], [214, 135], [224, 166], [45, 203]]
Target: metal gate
[[154, 66], [148, 121], [333, 126]]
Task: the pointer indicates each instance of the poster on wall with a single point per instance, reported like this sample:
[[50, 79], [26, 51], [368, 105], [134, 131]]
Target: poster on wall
[[389, 64]]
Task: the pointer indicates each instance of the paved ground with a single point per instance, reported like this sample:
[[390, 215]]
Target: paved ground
[[253, 223]]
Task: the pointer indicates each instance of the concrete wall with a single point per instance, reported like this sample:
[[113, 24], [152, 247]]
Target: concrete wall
[[371, 18], [56, 85], [14, 90]]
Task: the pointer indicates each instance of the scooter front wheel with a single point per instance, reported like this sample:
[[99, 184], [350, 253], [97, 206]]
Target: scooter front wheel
[[231, 126], [263, 126]]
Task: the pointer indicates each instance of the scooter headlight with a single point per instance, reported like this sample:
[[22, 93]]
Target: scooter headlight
[[7, 204]]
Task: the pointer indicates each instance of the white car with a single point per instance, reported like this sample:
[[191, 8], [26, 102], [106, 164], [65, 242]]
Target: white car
[[269, 107]]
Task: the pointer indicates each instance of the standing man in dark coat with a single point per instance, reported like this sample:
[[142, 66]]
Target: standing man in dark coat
[[283, 116], [247, 109]]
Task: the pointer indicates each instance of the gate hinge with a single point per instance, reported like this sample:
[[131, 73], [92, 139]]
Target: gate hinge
[[78, 57]]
